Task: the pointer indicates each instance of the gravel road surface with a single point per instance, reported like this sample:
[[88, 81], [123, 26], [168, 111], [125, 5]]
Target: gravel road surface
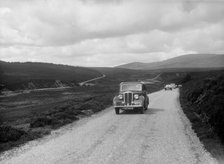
[[162, 135]]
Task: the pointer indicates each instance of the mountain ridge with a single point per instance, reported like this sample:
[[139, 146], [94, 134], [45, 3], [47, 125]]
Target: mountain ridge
[[184, 61]]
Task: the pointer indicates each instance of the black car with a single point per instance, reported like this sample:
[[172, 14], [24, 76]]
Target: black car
[[132, 96]]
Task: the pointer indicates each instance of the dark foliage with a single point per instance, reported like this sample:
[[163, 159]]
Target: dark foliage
[[186, 78], [205, 95], [8, 133], [95, 106], [43, 121]]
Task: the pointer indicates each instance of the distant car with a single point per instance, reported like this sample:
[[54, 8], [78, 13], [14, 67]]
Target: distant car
[[132, 96], [173, 85], [167, 87], [170, 86]]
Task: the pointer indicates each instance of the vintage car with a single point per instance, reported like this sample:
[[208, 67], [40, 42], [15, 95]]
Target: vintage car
[[167, 87], [132, 96], [170, 86]]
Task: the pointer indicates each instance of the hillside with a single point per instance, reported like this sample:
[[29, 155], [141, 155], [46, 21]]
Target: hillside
[[185, 61], [41, 75], [201, 98]]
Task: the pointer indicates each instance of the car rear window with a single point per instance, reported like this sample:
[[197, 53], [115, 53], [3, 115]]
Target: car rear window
[[132, 87]]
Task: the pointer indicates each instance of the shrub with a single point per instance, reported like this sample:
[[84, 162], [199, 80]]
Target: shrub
[[94, 105], [65, 115], [206, 96], [43, 121], [8, 133], [186, 79]]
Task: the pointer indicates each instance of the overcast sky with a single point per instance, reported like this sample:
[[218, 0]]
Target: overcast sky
[[108, 32]]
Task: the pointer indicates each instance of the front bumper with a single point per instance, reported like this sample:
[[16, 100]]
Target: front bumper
[[128, 106]]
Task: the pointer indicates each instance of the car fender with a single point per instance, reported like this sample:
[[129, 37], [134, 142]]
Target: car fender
[[115, 99], [147, 99], [142, 99]]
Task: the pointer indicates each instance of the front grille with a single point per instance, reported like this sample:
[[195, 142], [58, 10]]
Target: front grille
[[128, 97]]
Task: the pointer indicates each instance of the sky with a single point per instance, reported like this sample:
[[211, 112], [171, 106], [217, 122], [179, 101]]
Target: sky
[[109, 32]]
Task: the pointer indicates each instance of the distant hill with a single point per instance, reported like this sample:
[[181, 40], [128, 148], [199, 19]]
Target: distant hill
[[185, 61], [17, 75]]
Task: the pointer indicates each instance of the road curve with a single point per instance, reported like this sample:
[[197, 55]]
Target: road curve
[[162, 135], [94, 79]]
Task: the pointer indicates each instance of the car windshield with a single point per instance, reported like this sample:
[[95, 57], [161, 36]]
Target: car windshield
[[133, 87]]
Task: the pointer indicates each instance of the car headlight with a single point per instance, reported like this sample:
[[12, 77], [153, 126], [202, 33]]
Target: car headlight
[[136, 96], [120, 97]]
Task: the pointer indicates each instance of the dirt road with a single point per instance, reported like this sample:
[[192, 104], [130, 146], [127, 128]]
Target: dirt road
[[94, 79], [162, 135]]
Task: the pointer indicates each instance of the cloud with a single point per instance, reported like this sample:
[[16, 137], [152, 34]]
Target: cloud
[[106, 33]]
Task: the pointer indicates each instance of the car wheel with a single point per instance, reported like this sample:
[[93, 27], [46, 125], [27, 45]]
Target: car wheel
[[146, 106], [142, 110], [117, 110]]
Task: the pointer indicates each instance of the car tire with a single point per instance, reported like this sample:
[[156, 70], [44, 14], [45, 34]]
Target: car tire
[[142, 110], [146, 107], [117, 110]]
